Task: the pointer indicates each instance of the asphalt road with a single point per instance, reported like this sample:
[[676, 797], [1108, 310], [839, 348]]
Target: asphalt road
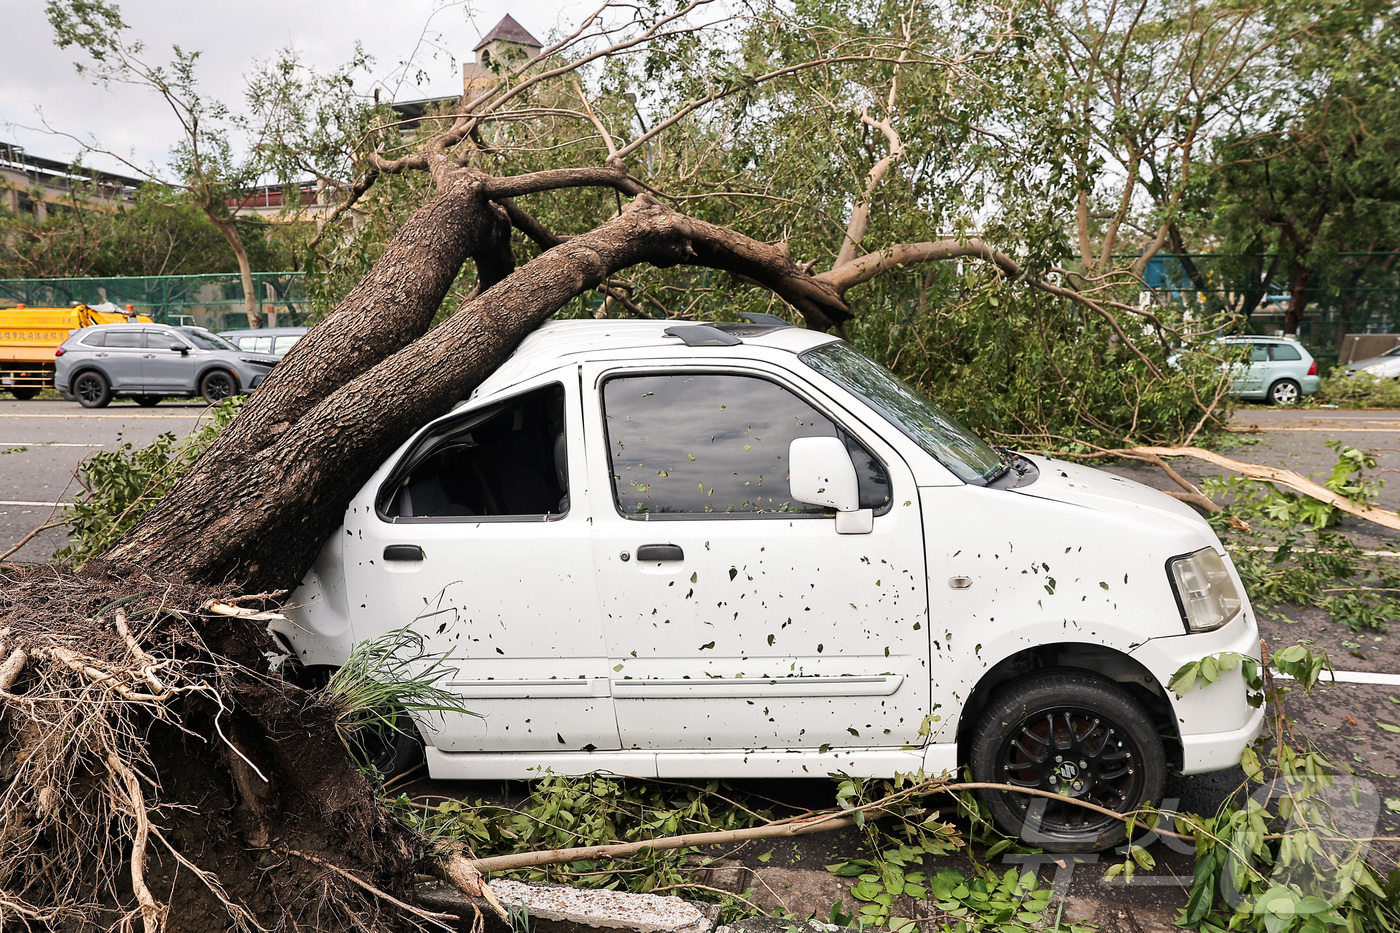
[[42, 442]]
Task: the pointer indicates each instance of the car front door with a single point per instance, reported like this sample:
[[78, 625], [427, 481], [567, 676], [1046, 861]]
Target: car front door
[[120, 359], [164, 369], [737, 618], [472, 541]]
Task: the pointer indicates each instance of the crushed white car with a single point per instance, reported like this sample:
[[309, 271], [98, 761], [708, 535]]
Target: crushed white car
[[729, 550]]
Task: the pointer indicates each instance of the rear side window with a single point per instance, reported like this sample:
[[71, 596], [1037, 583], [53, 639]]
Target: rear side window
[[1258, 353], [124, 338], [1284, 353], [708, 443], [508, 461], [95, 339]]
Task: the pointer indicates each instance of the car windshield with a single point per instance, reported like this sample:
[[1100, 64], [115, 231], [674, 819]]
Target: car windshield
[[1393, 351], [969, 457], [204, 340]]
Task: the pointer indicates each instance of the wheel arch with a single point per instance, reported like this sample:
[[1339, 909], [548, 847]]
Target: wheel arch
[[1100, 661]]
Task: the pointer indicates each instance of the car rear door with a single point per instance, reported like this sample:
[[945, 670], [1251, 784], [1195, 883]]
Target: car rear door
[[736, 618]]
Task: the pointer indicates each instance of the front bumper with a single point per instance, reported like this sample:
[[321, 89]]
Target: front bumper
[[1214, 751], [1215, 722]]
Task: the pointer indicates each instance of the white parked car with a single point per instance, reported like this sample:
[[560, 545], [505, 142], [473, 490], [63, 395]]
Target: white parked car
[[748, 550], [1385, 366]]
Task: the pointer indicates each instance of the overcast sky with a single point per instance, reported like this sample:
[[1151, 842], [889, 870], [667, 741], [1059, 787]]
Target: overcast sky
[[38, 78]]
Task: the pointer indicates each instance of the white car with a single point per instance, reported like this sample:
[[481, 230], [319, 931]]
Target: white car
[[749, 551], [1385, 366]]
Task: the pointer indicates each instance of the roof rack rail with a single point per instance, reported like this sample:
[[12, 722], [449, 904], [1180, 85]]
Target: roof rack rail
[[758, 317], [702, 335]]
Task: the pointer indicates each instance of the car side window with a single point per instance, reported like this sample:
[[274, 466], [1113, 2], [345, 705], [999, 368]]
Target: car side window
[[284, 344], [1284, 353], [124, 338], [1258, 353], [509, 461], [95, 339], [708, 443]]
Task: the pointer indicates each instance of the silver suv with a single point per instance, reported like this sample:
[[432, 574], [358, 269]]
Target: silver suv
[[149, 362]]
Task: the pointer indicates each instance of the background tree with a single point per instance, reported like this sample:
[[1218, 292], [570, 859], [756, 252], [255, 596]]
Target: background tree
[[213, 167], [1319, 175], [162, 233]]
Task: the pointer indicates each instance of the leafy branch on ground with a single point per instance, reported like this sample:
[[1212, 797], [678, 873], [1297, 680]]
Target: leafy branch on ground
[[1287, 551], [118, 486]]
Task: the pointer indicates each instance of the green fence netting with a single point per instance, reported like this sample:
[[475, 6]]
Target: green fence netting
[[212, 301], [1361, 295]]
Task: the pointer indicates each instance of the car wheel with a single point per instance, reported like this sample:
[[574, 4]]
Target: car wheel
[[388, 749], [1075, 736], [24, 394], [217, 385], [1284, 392], [92, 389], [148, 401]]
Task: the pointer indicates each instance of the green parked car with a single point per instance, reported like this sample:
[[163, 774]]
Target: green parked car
[[1278, 370]]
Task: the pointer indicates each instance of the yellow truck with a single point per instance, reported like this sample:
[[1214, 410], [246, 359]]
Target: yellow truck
[[29, 337]]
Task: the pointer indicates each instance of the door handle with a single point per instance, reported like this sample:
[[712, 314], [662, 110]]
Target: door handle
[[403, 552], [660, 552]]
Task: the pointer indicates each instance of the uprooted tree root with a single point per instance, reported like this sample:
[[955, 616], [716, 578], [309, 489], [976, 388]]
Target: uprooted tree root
[[151, 778]]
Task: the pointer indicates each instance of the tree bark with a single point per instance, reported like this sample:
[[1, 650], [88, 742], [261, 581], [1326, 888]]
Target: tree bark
[[1297, 301]]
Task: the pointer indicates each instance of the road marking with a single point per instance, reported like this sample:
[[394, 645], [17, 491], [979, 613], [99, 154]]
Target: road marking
[[44, 444], [111, 416], [1268, 421], [1336, 430], [1364, 677], [52, 505]]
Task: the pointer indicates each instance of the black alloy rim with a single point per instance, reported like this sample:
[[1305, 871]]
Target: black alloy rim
[[1076, 754], [89, 388], [220, 387]]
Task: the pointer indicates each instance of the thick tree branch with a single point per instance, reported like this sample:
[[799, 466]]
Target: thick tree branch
[[1294, 481], [870, 265]]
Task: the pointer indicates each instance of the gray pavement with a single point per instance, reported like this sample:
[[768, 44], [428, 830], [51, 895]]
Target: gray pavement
[[41, 444]]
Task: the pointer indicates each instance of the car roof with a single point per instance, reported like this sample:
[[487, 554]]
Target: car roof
[[264, 332], [558, 342], [1258, 339]]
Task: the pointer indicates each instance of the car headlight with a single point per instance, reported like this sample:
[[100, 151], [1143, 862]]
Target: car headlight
[[1375, 369], [1204, 590]]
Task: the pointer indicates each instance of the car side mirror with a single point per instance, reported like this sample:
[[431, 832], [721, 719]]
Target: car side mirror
[[820, 472], [178, 347]]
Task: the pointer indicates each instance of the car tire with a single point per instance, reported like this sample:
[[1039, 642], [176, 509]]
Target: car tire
[[1284, 392], [217, 385], [148, 401], [24, 394], [92, 389], [389, 750], [1073, 734]]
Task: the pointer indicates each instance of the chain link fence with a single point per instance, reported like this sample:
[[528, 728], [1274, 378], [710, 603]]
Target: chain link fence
[[212, 301], [1360, 297]]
